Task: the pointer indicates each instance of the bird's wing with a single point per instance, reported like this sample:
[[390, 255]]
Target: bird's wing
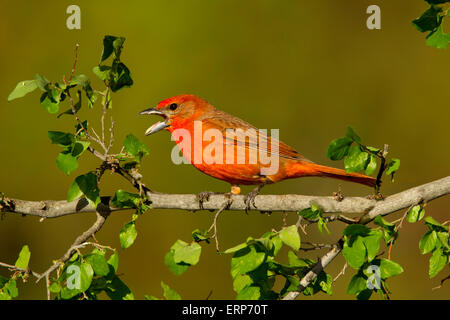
[[249, 136]]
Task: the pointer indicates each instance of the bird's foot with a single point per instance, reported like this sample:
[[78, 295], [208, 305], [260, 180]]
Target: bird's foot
[[204, 196], [377, 196], [338, 196], [249, 199]]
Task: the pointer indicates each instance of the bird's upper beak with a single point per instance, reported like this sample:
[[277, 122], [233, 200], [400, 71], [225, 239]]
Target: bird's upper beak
[[157, 126]]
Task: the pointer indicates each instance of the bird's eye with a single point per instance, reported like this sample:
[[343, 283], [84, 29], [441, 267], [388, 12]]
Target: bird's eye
[[173, 106]]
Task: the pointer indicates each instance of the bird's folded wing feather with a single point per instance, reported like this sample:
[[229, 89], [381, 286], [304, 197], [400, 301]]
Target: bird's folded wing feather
[[249, 137]]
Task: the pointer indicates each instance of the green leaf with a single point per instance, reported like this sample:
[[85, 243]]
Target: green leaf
[[11, 287], [66, 162], [113, 261], [74, 192], [98, 263], [388, 268], [295, 261], [79, 147], [339, 148], [236, 248], [372, 243], [249, 293], [76, 106], [434, 225], [150, 297], [357, 284], [388, 228], [22, 88], [327, 284], [86, 274], [103, 72], [198, 235], [246, 260], [48, 101], [351, 134], [117, 290], [41, 82], [24, 258], [438, 261], [392, 167], [322, 224], [415, 214], [309, 214], [444, 238], [428, 242], [242, 281], [176, 268], [85, 184], [429, 20], [290, 237], [135, 148], [63, 139], [80, 79], [169, 293], [372, 165], [120, 77], [123, 199], [438, 39], [355, 253], [356, 230], [55, 287], [111, 44], [187, 253], [128, 234], [356, 160]]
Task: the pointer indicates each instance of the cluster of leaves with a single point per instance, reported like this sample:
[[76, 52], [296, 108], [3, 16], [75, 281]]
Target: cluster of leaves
[[359, 157], [254, 269], [96, 273], [315, 213], [123, 199], [8, 286], [117, 75], [86, 276], [360, 249], [431, 21], [435, 241], [55, 93], [253, 265]]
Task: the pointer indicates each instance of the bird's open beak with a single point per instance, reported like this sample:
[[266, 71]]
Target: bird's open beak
[[157, 126]]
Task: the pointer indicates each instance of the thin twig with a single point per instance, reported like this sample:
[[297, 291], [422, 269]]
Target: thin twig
[[342, 272], [442, 282], [396, 230], [74, 63], [214, 224], [24, 271]]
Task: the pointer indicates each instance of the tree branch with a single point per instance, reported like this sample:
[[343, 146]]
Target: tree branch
[[264, 203]]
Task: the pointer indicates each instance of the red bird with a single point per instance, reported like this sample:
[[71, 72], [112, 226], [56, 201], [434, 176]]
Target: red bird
[[184, 114]]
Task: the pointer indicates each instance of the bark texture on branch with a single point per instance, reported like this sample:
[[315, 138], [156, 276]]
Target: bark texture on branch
[[286, 203]]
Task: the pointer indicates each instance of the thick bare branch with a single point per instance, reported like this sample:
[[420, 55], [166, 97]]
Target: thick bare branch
[[264, 203], [54, 208]]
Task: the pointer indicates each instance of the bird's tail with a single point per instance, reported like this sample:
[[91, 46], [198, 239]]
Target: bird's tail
[[302, 169]]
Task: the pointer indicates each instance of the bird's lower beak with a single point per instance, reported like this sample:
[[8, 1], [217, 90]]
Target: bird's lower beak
[[157, 126]]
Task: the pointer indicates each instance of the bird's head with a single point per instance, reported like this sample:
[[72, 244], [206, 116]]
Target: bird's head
[[177, 112]]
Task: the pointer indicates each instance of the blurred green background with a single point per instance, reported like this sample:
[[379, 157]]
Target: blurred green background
[[309, 68]]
